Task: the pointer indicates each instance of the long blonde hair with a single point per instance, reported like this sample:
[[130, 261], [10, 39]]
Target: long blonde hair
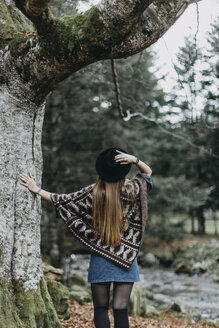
[[107, 211]]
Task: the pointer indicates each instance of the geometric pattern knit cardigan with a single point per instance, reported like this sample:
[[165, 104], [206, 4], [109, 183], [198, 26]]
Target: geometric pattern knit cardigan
[[75, 209]]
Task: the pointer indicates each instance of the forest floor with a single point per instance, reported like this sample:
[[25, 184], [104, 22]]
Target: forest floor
[[81, 316]]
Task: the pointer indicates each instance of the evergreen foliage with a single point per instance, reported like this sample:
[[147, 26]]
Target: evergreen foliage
[[82, 119]]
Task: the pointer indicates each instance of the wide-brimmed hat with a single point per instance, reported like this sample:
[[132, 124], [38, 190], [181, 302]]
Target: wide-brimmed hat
[[108, 169]]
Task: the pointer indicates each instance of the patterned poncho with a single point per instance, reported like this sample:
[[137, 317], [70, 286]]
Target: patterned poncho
[[75, 209]]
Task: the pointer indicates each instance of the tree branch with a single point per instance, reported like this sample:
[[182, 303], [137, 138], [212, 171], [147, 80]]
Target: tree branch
[[181, 137], [119, 16], [115, 29], [12, 22], [35, 7], [154, 22]]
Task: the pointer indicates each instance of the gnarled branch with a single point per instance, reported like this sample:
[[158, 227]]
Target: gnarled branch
[[35, 7], [120, 16], [115, 29], [154, 22]]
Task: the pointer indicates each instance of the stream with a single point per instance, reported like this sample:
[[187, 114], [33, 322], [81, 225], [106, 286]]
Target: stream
[[167, 286], [195, 291]]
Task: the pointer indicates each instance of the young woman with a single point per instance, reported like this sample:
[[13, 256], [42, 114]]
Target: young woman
[[109, 217]]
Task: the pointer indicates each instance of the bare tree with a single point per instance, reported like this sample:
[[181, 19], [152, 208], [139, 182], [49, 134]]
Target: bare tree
[[37, 51]]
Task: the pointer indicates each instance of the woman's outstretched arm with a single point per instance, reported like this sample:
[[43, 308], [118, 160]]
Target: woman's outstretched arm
[[28, 182]]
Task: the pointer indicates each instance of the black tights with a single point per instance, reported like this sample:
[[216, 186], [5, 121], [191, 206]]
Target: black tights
[[120, 303]]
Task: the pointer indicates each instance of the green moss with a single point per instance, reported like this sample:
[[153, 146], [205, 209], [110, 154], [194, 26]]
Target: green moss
[[160, 3], [19, 45], [60, 295], [153, 314], [7, 26], [149, 295], [75, 279], [11, 22], [9, 317], [36, 308], [137, 304], [85, 29]]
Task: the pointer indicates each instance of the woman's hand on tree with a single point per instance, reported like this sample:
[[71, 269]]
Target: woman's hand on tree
[[28, 182], [124, 158]]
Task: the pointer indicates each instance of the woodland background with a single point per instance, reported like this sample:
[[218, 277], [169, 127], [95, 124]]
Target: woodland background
[[176, 134]]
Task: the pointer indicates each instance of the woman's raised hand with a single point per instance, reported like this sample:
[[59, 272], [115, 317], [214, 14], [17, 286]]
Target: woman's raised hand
[[124, 158], [28, 182]]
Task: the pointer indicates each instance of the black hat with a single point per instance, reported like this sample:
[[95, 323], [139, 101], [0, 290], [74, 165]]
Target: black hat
[[108, 169]]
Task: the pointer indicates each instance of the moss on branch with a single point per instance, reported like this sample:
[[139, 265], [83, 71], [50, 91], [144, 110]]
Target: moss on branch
[[160, 3], [77, 35], [11, 22], [20, 44]]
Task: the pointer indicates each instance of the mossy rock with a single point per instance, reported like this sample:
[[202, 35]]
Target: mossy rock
[[60, 295], [137, 304], [80, 294], [51, 272], [153, 314], [183, 309], [183, 268], [75, 279], [198, 258], [149, 295], [165, 256]]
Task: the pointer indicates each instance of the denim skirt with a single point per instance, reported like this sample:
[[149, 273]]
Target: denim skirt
[[101, 270]]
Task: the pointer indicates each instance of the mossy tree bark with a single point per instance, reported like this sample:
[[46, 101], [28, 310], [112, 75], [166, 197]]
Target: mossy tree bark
[[38, 51]]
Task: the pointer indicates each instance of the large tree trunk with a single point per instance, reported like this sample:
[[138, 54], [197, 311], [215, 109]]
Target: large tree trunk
[[201, 221], [20, 212]]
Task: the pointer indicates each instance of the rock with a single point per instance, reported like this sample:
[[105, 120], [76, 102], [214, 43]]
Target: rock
[[153, 314], [200, 267], [75, 279], [149, 295], [183, 268], [137, 304], [165, 256], [161, 298], [198, 257], [150, 307], [148, 260], [58, 292], [180, 306], [80, 294], [215, 278], [51, 272]]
